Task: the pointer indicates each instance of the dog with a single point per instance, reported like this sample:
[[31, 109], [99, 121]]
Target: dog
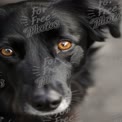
[[44, 47]]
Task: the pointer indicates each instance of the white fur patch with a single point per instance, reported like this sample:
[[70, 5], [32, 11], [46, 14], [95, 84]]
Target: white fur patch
[[62, 107]]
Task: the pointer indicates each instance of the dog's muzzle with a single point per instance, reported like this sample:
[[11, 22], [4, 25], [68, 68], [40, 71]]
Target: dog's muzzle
[[48, 103]]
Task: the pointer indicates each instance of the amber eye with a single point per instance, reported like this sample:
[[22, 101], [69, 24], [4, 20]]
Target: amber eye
[[7, 52], [64, 45]]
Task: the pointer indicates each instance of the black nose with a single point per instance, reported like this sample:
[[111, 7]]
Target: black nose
[[47, 102]]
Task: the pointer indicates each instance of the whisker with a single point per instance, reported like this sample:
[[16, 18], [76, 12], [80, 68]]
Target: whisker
[[76, 100], [75, 91], [37, 74], [76, 94], [36, 67]]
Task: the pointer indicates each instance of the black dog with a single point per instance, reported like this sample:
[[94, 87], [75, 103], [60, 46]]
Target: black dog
[[43, 50]]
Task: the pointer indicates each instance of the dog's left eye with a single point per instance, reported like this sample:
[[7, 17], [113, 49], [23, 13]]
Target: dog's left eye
[[7, 52], [64, 45]]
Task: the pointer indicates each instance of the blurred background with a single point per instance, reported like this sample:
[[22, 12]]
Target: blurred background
[[104, 101]]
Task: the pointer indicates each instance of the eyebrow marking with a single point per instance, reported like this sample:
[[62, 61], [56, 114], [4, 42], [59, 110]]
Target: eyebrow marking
[[75, 38]]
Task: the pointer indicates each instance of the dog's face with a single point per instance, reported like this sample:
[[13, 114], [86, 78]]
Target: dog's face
[[41, 66]]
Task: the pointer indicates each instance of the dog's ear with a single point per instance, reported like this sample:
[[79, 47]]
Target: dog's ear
[[95, 16], [3, 14], [101, 15]]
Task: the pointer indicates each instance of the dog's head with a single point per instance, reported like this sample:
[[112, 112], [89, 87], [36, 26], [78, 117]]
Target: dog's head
[[42, 47]]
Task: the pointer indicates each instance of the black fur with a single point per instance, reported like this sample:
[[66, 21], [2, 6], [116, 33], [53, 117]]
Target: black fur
[[26, 66]]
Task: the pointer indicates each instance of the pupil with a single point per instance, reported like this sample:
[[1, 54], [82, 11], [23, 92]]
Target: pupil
[[8, 51], [64, 44]]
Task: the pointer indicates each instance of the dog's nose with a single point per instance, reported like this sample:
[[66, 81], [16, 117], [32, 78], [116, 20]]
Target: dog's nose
[[47, 102]]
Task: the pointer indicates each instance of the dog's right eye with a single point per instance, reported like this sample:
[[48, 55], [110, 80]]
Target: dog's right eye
[[7, 51]]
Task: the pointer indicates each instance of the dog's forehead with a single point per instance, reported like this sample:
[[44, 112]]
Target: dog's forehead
[[38, 18], [70, 25], [52, 19]]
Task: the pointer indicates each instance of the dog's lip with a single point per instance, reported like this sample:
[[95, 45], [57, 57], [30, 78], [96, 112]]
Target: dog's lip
[[62, 107]]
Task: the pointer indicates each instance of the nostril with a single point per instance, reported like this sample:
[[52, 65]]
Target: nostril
[[55, 104], [40, 107]]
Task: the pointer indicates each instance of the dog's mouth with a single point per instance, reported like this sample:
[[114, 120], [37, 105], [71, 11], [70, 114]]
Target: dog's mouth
[[29, 109]]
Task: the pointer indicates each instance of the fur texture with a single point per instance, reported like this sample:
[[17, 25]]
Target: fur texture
[[37, 59]]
